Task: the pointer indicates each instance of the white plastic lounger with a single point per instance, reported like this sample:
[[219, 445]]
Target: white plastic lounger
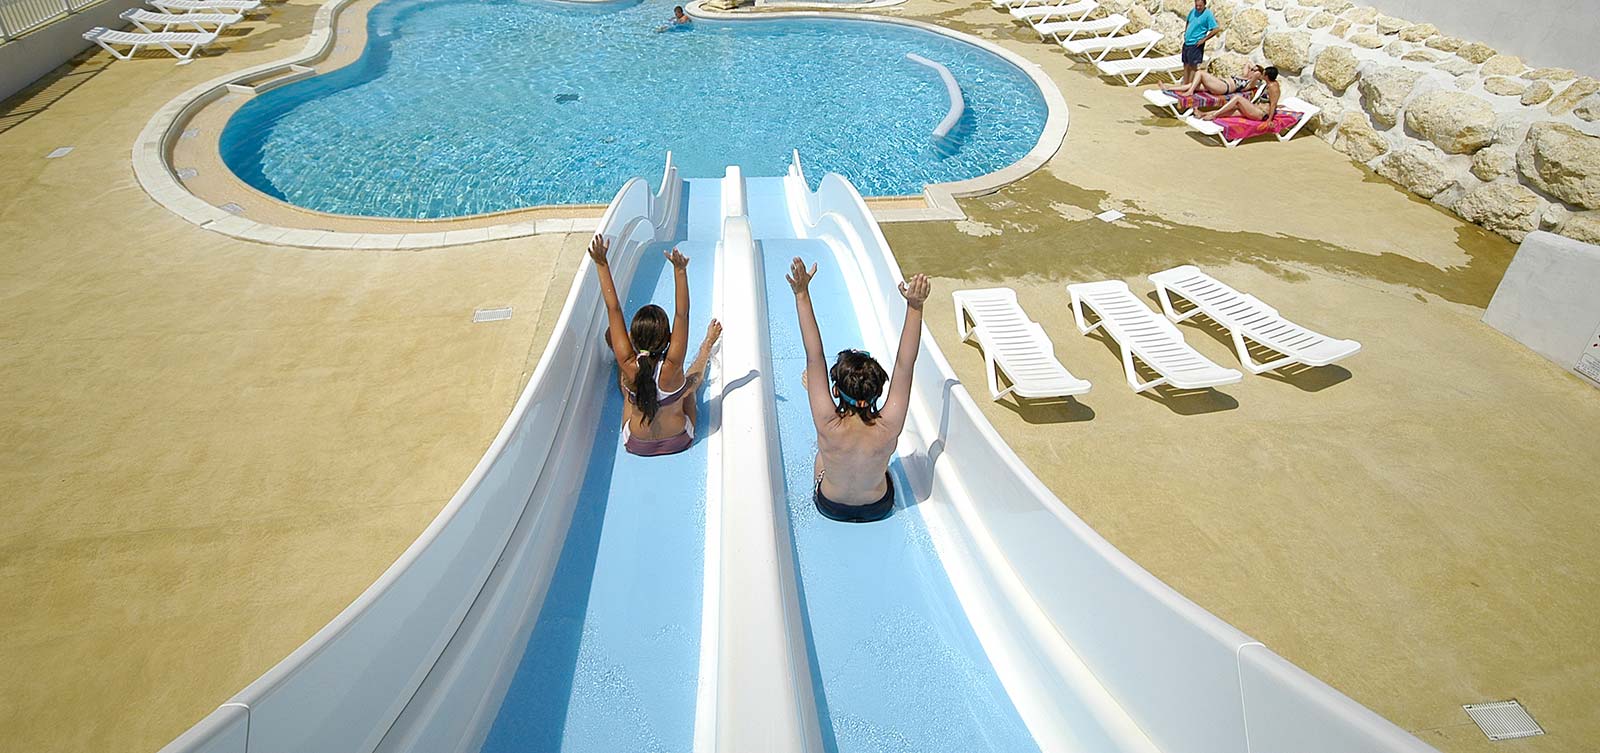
[[1247, 318], [136, 41], [1037, 14], [157, 22], [1014, 345], [1133, 70], [1143, 334], [205, 6], [1100, 27], [1143, 41], [1305, 109]]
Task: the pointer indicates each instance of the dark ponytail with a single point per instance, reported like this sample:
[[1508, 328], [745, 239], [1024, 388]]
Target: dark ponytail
[[650, 332]]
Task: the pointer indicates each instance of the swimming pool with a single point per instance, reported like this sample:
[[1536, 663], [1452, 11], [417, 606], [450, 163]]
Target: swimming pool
[[459, 107]]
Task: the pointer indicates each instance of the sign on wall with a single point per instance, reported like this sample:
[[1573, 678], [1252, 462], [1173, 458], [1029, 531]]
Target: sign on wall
[[1588, 364]]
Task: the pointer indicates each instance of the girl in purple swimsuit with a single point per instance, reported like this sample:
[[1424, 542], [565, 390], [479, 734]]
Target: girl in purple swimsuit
[[657, 420]]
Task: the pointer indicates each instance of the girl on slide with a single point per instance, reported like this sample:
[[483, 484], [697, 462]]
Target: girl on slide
[[657, 390]]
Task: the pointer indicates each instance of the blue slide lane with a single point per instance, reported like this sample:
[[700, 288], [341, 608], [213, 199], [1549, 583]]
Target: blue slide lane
[[897, 665], [613, 662]]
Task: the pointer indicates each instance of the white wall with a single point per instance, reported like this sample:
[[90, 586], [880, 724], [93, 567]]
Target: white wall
[[1541, 32], [29, 57], [1548, 302]]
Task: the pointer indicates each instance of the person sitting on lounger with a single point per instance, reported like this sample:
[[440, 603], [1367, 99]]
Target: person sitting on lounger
[[1241, 106], [855, 439], [1220, 86], [656, 420]]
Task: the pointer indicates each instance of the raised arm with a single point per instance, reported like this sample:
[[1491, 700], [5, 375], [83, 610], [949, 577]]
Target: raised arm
[[916, 292], [678, 348], [617, 329], [817, 392]]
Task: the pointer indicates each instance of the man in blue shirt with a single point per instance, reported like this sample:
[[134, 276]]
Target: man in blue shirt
[[1202, 27]]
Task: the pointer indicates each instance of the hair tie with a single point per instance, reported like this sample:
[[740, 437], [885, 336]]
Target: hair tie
[[852, 402], [643, 353]]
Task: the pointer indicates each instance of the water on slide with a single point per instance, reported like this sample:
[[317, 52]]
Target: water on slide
[[612, 663]]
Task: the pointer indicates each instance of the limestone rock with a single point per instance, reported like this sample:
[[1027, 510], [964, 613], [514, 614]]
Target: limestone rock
[[1179, 8], [1245, 33], [1139, 19], [1336, 67], [1536, 93], [1456, 122], [1551, 74], [1502, 65], [1171, 28], [1340, 29], [1419, 32], [1423, 56], [1297, 15], [1277, 4], [1289, 50], [1384, 91], [1456, 66], [1562, 161], [1367, 39], [1321, 20], [1337, 6], [1589, 109], [1476, 52], [1326, 122], [1224, 10], [1505, 87], [1497, 161], [1228, 64], [1445, 43], [1505, 207], [1568, 99], [1357, 138], [1390, 24], [1582, 226], [1362, 15], [1418, 167]]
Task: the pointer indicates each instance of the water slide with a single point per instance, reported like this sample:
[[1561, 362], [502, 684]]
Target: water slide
[[572, 597]]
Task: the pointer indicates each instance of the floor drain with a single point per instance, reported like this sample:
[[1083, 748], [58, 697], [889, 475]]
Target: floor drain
[[1503, 720], [59, 152], [187, 173], [189, 133], [1110, 215], [491, 315], [232, 208]]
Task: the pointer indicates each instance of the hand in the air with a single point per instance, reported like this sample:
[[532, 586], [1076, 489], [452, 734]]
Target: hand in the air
[[598, 248], [916, 291], [799, 278], [679, 261]]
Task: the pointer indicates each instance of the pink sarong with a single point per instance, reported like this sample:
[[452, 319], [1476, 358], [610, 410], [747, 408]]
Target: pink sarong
[[1201, 100], [1238, 129]]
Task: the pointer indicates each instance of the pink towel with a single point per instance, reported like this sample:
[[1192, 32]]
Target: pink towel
[[1235, 129], [1204, 100]]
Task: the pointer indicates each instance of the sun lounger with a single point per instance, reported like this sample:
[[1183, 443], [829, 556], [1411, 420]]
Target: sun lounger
[[1100, 27], [1143, 41], [1141, 333], [136, 41], [158, 22], [1184, 105], [1134, 70], [1013, 345], [1071, 11], [1292, 115], [205, 6], [1246, 318]]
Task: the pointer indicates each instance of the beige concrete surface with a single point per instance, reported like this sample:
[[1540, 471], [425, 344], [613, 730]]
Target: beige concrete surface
[[212, 446]]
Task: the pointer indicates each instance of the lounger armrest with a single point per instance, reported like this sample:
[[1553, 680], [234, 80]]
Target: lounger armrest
[[1207, 127]]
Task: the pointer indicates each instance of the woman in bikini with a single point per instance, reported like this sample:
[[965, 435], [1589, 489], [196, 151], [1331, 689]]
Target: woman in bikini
[[657, 419], [1223, 86], [1241, 106]]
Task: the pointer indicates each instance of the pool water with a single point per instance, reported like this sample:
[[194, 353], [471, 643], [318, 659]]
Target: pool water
[[461, 107]]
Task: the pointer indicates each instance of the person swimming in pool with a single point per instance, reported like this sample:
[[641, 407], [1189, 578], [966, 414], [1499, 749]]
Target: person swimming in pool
[[657, 420], [680, 19], [855, 439]]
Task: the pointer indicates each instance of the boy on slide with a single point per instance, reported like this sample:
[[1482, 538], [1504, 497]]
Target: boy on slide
[[855, 439]]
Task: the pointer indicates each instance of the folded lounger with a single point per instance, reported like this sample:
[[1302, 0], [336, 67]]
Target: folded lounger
[[1247, 318], [1184, 105], [1071, 11], [1014, 345], [1007, 4], [1292, 115], [1143, 334], [1100, 27], [1134, 70], [157, 22], [166, 40], [205, 6], [1143, 41]]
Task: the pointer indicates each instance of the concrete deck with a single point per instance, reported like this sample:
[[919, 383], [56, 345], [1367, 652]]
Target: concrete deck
[[212, 445]]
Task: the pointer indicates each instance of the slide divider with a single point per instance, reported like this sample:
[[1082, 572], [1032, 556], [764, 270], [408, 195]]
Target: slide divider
[[764, 688]]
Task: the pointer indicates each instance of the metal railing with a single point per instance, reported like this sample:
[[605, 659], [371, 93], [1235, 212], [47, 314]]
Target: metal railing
[[20, 16]]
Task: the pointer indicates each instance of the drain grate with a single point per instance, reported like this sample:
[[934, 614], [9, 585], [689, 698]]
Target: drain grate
[[59, 152], [491, 315], [1110, 215], [187, 173], [1503, 720], [232, 208]]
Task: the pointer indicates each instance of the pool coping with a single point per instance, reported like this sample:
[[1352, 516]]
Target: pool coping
[[156, 175]]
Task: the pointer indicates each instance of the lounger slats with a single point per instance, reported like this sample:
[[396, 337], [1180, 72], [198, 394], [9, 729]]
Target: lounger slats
[[1013, 345], [1135, 70], [1064, 31], [1144, 334], [1070, 10], [1247, 318]]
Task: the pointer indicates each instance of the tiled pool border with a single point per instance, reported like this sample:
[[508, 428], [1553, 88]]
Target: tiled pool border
[[158, 178]]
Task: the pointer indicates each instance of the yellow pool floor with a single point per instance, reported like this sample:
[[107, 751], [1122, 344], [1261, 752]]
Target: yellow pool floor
[[212, 446]]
